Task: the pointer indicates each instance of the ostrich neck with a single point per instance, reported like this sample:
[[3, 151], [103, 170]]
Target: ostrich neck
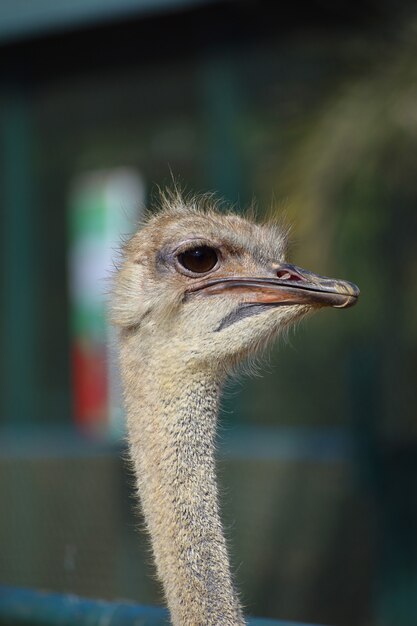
[[172, 422]]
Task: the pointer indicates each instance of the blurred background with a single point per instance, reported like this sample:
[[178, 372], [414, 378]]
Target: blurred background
[[309, 107]]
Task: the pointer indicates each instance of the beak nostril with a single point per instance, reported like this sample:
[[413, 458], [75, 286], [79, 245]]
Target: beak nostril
[[286, 275]]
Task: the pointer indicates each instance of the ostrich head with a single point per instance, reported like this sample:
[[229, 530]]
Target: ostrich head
[[196, 293], [211, 288]]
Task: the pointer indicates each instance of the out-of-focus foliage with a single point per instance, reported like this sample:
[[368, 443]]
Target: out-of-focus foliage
[[349, 178]]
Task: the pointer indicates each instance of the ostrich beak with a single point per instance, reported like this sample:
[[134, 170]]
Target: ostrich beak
[[292, 285]]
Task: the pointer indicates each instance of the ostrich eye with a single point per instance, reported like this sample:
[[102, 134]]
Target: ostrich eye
[[199, 260]]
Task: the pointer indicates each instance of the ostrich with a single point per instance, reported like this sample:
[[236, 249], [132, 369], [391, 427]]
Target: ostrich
[[197, 292]]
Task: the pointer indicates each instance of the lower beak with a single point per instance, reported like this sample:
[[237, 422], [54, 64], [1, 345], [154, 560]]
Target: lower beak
[[292, 285]]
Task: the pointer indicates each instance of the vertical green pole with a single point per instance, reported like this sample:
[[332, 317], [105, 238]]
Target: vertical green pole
[[222, 106], [18, 284]]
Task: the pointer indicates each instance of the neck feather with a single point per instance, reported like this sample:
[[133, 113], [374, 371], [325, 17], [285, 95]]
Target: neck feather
[[172, 423]]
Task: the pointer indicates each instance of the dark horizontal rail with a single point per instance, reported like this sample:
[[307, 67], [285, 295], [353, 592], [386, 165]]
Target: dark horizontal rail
[[27, 607], [255, 443]]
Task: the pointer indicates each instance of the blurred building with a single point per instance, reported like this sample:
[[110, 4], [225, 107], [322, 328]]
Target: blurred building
[[311, 109]]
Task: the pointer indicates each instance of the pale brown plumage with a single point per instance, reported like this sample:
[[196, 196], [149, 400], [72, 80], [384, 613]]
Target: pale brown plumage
[[196, 293]]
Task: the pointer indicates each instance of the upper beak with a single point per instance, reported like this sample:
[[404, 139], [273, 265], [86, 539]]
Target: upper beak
[[292, 285]]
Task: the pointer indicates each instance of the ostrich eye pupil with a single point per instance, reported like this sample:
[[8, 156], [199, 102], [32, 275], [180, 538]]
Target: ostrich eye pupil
[[199, 260]]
